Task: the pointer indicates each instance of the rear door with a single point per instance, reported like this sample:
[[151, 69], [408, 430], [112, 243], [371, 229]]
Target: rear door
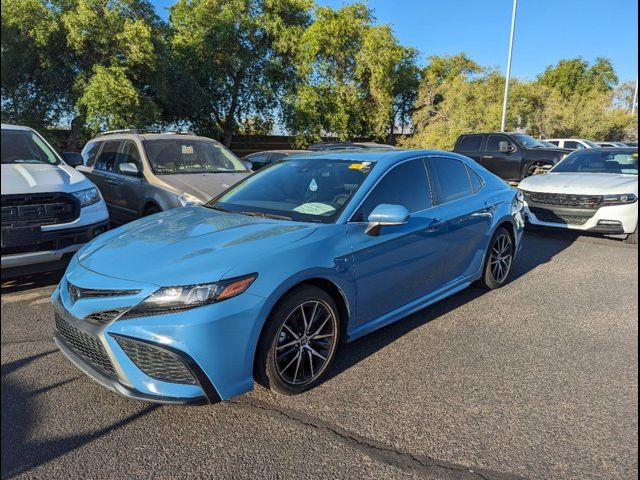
[[459, 203], [506, 165], [471, 146]]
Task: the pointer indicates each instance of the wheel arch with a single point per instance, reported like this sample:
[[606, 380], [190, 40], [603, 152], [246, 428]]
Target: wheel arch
[[336, 293]]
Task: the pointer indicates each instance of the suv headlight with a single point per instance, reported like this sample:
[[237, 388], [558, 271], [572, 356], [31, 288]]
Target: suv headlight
[[175, 299], [87, 197], [185, 200], [623, 199]]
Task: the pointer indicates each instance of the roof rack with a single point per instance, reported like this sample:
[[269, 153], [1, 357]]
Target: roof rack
[[136, 131]]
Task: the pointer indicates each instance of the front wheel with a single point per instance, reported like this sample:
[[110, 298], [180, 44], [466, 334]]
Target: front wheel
[[499, 260], [299, 341]]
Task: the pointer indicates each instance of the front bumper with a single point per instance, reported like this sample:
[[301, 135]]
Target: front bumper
[[215, 342], [35, 246], [612, 220]]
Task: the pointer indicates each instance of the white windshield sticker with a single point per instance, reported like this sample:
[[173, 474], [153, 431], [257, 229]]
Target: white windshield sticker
[[314, 208], [187, 149], [313, 186]]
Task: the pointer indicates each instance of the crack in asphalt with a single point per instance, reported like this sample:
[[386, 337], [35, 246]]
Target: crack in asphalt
[[30, 340], [379, 451]]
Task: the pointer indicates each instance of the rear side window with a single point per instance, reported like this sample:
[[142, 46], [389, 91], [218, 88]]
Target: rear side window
[[106, 161], [90, 152], [573, 145], [476, 181], [470, 143], [450, 179], [405, 184]]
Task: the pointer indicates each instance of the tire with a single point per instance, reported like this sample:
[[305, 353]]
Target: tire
[[150, 210], [632, 238], [286, 351], [498, 261]]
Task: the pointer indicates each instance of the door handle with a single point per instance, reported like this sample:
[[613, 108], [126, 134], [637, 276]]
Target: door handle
[[111, 182], [434, 225], [486, 157]]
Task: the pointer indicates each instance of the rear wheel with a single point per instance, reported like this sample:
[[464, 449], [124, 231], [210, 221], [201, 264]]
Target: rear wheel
[[499, 260], [299, 341]]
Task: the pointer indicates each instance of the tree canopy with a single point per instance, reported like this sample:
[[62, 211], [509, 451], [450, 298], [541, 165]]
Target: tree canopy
[[222, 67]]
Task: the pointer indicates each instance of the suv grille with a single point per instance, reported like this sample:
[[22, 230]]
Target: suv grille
[[564, 200], [157, 362], [85, 345], [38, 209]]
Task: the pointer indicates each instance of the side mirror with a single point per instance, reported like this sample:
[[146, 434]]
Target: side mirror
[[247, 164], [386, 215], [73, 159], [129, 169], [506, 147]]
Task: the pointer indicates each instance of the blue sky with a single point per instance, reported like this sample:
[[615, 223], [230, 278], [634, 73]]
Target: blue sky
[[546, 31]]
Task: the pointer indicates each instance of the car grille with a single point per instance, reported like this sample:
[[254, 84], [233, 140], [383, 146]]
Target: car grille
[[551, 217], [564, 200], [38, 209], [104, 317], [157, 362], [76, 293], [85, 345]]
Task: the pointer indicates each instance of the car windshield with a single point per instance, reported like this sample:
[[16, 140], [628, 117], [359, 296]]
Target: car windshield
[[26, 146], [183, 155], [598, 161], [313, 189], [529, 142]]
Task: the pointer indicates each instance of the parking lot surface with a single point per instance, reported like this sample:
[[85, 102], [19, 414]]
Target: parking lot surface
[[537, 380]]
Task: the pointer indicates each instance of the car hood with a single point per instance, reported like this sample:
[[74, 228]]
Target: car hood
[[187, 246], [204, 186], [20, 178], [581, 183]]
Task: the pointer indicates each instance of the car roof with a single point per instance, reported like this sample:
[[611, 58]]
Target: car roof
[[374, 154], [118, 135], [6, 126], [277, 151]]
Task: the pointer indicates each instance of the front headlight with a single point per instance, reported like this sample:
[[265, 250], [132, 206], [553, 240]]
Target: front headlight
[[87, 197], [623, 199], [185, 200], [175, 299]]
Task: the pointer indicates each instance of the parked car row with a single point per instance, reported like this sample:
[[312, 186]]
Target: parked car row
[[581, 143]]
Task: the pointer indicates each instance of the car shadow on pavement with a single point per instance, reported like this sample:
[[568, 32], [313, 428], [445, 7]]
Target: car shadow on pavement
[[19, 417], [26, 282], [539, 248]]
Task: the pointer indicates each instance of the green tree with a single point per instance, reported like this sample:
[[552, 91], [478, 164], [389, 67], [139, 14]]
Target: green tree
[[234, 57], [576, 76], [354, 80]]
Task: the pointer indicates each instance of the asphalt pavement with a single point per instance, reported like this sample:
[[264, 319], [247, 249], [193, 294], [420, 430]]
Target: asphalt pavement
[[536, 380]]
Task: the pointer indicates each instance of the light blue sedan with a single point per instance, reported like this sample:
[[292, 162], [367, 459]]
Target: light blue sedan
[[266, 281]]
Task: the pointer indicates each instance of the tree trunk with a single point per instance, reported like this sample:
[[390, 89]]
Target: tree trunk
[[73, 140], [228, 134]]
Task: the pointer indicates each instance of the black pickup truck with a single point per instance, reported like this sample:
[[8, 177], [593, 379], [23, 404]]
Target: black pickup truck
[[511, 156]]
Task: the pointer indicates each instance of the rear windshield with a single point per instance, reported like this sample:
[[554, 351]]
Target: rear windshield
[[179, 156], [25, 146], [599, 161]]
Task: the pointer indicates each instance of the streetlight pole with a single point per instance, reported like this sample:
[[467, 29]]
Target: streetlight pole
[[506, 86], [635, 99]]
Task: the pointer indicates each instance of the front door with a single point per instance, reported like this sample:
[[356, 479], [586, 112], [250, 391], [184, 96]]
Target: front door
[[128, 189], [506, 165], [404, 262]]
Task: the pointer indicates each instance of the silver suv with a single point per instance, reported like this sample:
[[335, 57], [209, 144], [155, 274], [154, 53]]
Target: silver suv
[[140, 173]]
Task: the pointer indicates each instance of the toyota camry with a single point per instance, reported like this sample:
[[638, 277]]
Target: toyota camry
[[266, 281]]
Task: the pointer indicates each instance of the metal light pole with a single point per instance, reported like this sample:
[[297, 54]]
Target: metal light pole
[[506, 85], [635, 99]]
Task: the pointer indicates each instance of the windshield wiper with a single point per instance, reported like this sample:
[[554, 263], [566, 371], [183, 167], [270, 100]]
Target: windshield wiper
[[265, 215], [216, 207]]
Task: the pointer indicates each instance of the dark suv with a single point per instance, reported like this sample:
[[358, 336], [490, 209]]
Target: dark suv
[[511, 156]]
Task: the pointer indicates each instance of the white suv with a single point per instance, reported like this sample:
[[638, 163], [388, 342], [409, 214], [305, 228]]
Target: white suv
[[49, 210]]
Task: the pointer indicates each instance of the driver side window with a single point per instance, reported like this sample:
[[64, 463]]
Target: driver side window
[[405, 184]]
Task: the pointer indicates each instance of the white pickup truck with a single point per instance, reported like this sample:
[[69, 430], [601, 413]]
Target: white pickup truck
[[49, 209]]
